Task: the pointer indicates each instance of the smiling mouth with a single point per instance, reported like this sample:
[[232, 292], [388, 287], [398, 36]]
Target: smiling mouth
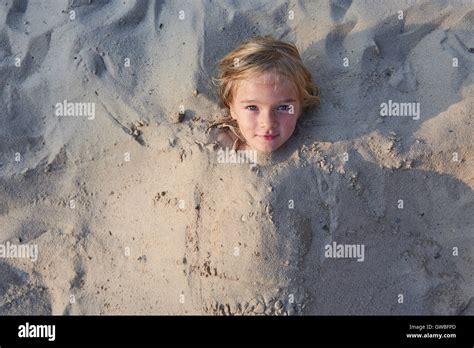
[[269, 137]]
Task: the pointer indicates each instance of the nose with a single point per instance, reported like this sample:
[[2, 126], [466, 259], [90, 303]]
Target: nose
[[267, 120]]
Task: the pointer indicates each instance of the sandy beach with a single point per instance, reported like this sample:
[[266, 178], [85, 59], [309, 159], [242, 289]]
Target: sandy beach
[[114, 200]]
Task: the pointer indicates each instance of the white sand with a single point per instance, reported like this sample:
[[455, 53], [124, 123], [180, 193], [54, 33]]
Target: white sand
[[172, 231]]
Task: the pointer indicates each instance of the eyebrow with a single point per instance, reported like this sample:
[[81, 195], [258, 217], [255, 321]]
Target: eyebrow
[[256, 101]]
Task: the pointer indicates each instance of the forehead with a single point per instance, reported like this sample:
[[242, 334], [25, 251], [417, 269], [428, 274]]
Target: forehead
[[267, 85]]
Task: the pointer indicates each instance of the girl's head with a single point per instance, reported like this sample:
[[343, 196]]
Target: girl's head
[[265, 87]]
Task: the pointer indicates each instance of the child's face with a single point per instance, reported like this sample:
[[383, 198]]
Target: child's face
[[266, 108]]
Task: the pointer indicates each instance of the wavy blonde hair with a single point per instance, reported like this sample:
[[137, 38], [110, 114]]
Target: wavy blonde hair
[[263, 54]]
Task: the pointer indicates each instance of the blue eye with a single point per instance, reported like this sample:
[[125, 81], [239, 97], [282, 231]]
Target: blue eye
[[280, 108], [287, 107]]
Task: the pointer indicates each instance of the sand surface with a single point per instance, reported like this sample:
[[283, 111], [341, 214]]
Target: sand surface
[[133, 214]]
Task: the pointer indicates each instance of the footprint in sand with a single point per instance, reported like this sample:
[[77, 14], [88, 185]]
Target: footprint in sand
[[19, 296], [339, 9], [15, 14]]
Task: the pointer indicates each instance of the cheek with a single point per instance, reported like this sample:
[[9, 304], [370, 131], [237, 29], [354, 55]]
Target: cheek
[[288, 124], [247, 122]]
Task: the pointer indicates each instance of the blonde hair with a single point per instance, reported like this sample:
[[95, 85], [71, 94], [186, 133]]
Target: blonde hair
[[260, 55]]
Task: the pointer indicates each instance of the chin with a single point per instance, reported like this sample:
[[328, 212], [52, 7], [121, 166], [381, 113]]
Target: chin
[[266, 149]]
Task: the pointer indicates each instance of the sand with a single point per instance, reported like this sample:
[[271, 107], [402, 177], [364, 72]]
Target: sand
[[132, 213]]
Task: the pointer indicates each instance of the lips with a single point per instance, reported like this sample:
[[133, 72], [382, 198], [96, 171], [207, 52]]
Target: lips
[[269, 137]]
